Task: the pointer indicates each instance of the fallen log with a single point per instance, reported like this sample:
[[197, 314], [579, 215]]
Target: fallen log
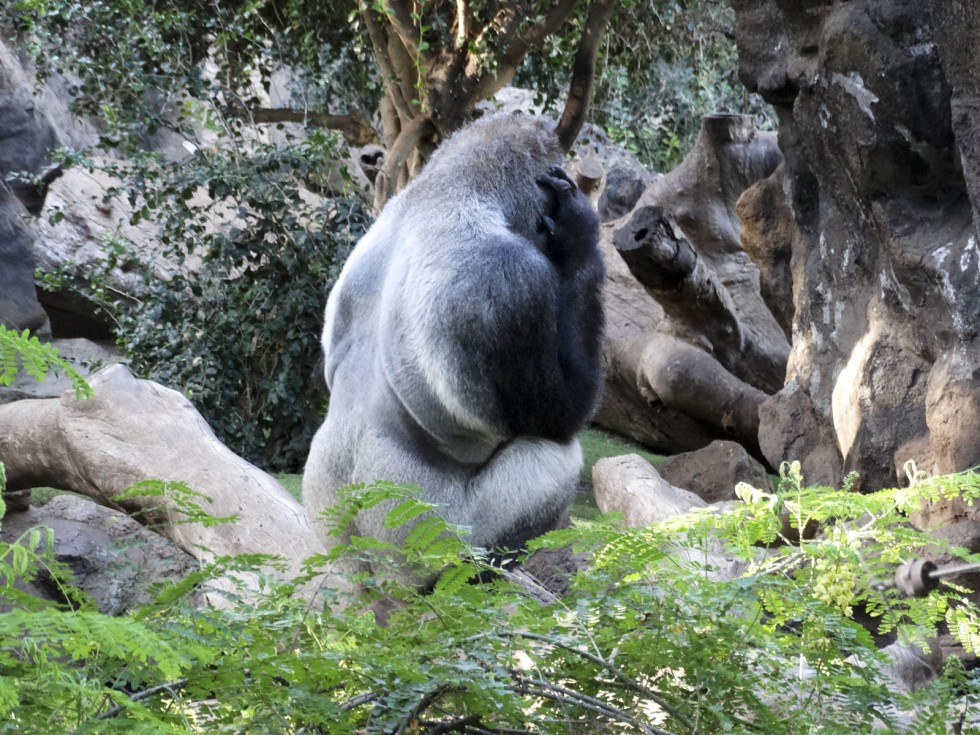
[[136, 430]]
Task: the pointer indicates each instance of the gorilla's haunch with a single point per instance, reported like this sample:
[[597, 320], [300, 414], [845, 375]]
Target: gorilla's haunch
[[462, 340]]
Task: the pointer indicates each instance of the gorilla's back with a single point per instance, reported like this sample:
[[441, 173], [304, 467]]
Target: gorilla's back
[[444, 322]]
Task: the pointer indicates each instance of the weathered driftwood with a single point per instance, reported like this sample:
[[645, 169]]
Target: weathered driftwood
[[692, 349], [135, 430]]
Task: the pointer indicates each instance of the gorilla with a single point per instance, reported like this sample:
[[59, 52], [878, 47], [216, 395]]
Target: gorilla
[[462, 342]]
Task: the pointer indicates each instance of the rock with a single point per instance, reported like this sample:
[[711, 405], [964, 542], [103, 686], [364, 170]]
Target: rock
[[631, 486], [111, 557], [713, 472], [80, 216], [19, 306], [27, 136], [132, 431], [952, 411], [84, 355], [767, 237], [33, 122], [908, 668], [625, 184], [876, 101], [789, 430], [625, 177]]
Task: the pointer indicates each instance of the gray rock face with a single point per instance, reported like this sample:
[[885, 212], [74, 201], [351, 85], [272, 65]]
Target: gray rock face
[[28, 135], [19, 307], [713, 472], [876, 101], [112, 558], [85, 356]]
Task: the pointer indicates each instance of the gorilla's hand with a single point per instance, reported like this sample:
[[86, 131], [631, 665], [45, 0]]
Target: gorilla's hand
[[570, 226]]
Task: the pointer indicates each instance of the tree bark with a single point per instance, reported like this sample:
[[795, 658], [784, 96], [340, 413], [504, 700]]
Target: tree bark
[[431, 93], [135, 430]]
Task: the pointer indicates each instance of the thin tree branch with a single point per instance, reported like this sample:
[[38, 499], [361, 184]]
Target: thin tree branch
[[392, 82], [628, 682], [460, 724], [560, 694], [512, 56], [359, 700], [170, 686], [355, 129], [407, 141], [583, 72]]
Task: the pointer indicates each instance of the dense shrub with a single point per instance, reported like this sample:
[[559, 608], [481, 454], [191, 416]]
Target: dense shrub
[[237, 329], [647, 640]]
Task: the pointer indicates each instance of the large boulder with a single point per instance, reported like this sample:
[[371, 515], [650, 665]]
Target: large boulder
[[19, 306], [33, 122], [712, 472], [111, 557], [876, 102]]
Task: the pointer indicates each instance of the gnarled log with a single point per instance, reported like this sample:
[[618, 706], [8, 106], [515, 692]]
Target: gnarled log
[[134, 430]]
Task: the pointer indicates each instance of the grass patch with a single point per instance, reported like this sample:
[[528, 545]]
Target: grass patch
[[292, 483], [597, 443]]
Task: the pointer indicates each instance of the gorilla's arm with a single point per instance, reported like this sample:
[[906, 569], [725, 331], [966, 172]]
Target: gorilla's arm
[[548, 375], [532, 329]]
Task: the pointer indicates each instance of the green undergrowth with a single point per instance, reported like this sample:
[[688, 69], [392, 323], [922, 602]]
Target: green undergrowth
[[646, 640], [649, 638], [598, 443]]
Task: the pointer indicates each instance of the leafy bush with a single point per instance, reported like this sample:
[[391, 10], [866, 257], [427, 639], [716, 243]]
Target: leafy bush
[[644, 642], [652, 101], [237, 329], [240, 334]]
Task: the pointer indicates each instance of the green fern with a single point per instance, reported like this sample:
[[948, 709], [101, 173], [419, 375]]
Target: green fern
[[21, 350]]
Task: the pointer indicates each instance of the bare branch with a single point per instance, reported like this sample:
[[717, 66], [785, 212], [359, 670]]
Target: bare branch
[[510, 58], [461, 724], [360, 699], [170, 687], [562, 695], [583, 72], [355, 129]]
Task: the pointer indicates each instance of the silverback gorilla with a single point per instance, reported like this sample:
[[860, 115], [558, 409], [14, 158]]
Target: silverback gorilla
[[461, 341]]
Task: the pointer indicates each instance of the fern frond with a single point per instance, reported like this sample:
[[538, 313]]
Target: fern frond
[[21, 350]]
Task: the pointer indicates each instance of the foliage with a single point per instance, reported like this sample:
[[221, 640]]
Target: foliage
[[663, 63], [237, 329], [647, 641], [665, 72], [142, 85], [22, 350]]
